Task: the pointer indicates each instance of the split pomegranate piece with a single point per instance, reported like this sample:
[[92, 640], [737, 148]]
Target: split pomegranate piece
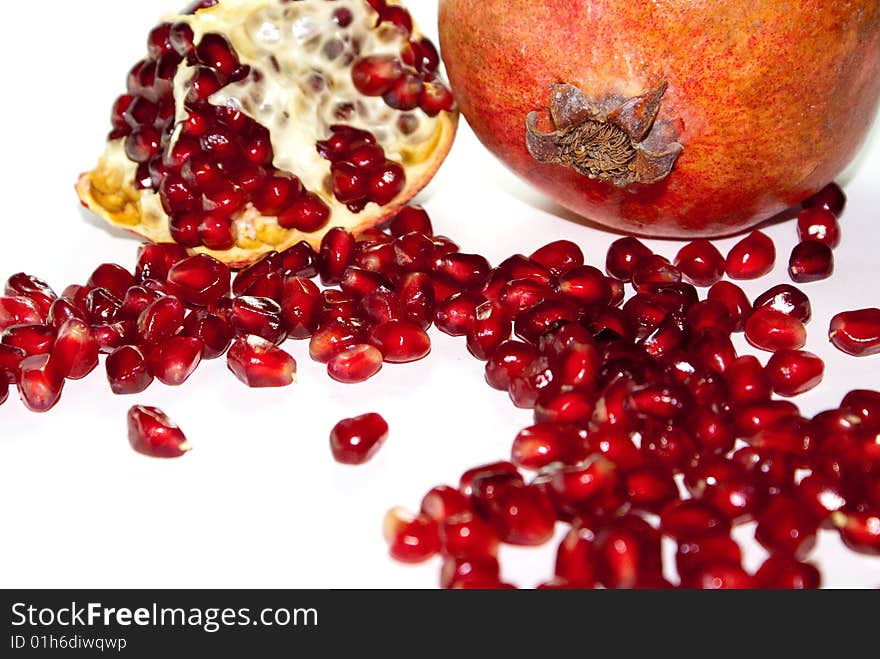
[[856, 332], [152, 433], [196, 157], [259, 363], [356, 441]]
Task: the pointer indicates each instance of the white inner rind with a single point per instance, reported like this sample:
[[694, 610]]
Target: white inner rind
[[301, 88]]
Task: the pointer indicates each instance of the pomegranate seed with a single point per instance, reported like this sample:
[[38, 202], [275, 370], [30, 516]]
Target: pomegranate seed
[[411, 538], [594, 486], [160, 321], [128, 371], [585, 285], [692, 519], [532, 323], [506, 471], [155, 260], [751, 419], [10, 362], [700, 262], [400, 341], [465, 535], [719, 576], [113, 278], [785, 527], [457, 314], [650, 488], [300, 307], [734, 300], [655, 269], [491, 327], [525, 388], [257, 316], [15, 310], [200, 280], [727, 486], [34, 289], [810, 261], [830, 197], [866, 405], [522, 515], [337, 252], [658, 401], [75, 353], [152, 433], [713, 350], [507, 362], [694, 555], [576, 558], [768, 329], [33, 339], [474, 572], [792, 372], [102, 306], [860, 531], [543, 444], [443, 502], [334, 337], [466, 270], [356, 364], [38, 384], [783, 572], [376, 75], [411, 219], [623, 257], [856, 332], [819, 224], [356, 441], [752, 257], [416, 293], [61, 311], [559, 257], [259, 363], [747, 382], [175, 359], [822, 495], [214, 333], [786, 299]]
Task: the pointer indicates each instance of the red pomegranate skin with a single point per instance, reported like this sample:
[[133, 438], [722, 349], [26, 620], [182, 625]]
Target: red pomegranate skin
[[770, 100]]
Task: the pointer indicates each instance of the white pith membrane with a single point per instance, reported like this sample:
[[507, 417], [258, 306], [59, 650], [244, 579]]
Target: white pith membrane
[[300, 94]]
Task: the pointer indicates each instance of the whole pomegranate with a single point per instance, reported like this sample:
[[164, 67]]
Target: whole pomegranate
[[673, 118], [252, 125]]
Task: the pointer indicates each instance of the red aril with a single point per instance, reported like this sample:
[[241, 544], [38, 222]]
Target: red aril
[[810, 260], [152, 433], [818, 224], [259, 363], [752, 257], [734, 300], [356, 364], [792, 372], [856, 332], [75, 353], [559, 256], [400, 342], [16, 310], [174, 360], [38, 384], [356, 441], [783, 572], [786, 299], [214, 332], [772, 330], [624, 256], [507, 362], [33, 339], [860, 531], [200, 280], [411, 538], [701, 263], [747, 382], [128, 371], [33, 288], [465, 535]]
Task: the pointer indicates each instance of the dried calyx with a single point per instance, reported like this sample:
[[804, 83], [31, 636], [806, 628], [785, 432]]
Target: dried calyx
[[615, 140], [254, 124]]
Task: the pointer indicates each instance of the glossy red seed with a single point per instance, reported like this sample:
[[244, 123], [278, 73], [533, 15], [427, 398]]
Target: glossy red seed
[[61, 311], [559, 256], [466, 270], [734, 300], [783, 572], [506, 471], [491, 327], [160, 320], [337, 251], [214, 332], [792, 372], [357, 440], [400, 342], [411, 538], [40, 388], [259, 363], [114, 278], [747, 382], [786, 299], [33, 288], [522, 515], [586, 285], [443, 502], [768, 329], [657, 400], [128, 371], [810, 261], [257, 316], [33, 339], [864, 403], [75, 352], [466, 535], [333, 337], [700, 262], [475, 572], [10, 362], [650, 488], [785, 527], [819, 224], [831, 197], [726, 485], [543, 444], [411, 219], [822, 495], [16, 310], [154, 260], [174, 360], [713, 350], [752, 257], [356, 364], [416, 294], [623, 256], [200, 280], [375, 75], [152, 433], [456, 315], [721, 576], [856, 332], [691, 519], [507, 362], [577, 557], [859, 530], [694, 555]]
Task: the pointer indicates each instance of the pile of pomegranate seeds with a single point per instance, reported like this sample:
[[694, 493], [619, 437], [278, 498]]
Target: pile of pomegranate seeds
[[647, 424]]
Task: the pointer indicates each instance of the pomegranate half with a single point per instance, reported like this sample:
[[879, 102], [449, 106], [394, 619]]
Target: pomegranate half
[[252, 125], [670, 119]]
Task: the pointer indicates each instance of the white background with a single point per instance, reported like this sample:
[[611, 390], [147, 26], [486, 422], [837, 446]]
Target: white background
[[260, 502]]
